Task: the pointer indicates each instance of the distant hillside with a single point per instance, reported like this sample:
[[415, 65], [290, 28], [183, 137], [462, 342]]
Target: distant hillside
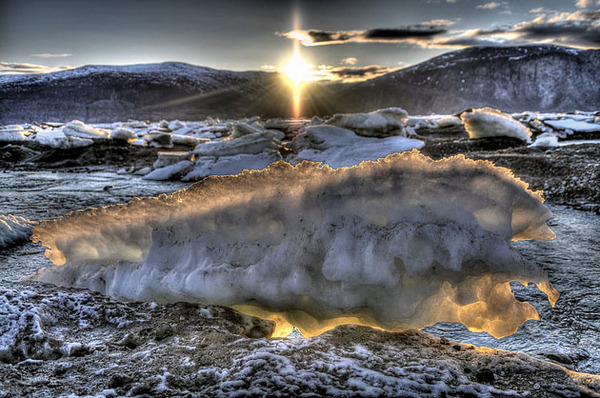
[[544, 78], [153, 91]]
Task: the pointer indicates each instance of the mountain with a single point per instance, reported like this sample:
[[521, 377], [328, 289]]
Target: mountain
[[170, 90], [543, 78]]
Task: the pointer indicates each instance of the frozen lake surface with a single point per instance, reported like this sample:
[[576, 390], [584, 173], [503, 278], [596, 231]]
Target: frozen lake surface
[[568, 333]]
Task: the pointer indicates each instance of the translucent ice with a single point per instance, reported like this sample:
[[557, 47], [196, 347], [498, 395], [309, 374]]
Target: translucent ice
[[399, 243]]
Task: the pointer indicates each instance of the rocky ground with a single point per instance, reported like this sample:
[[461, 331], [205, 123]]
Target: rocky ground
[[77, 343]]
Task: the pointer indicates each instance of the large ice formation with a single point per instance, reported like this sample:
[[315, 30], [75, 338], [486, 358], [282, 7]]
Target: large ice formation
[[399, 243], [487, 122]]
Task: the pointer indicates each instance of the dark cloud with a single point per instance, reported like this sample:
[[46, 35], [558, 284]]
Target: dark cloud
[[313, 37], [418, 31], [349, 74], [577, 29]]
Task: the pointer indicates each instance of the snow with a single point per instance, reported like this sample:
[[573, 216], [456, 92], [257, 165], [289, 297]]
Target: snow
[[57, 139], [400, 243], [576, 126], [379, 123], [24, 325], [9, 135], [546, 140], [339, 147], [79, 129], [14, 229], [340, 370], [487, 122]]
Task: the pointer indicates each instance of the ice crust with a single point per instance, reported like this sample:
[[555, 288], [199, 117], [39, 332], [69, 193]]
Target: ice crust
[[14, 229], [487, 122], [400, 243]]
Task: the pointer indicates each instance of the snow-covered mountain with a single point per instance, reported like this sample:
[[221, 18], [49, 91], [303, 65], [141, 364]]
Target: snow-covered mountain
[[544, 78], [148, 91]]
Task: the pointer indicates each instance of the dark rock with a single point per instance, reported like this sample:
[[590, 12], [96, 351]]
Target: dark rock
[[485, 376]]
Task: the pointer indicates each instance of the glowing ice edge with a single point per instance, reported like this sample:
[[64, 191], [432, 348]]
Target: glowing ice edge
[[403, 242]]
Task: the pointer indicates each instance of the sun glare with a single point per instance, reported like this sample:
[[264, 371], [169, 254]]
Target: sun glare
[[297, 69]]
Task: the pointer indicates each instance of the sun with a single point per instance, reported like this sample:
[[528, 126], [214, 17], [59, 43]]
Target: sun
[[298, 70]]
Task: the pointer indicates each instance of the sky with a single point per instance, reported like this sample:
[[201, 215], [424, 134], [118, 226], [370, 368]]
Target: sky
[[342, 38]]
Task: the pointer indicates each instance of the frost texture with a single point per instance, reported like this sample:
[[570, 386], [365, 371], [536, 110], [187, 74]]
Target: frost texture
[[13, 229], [400, 243], [487, 122]]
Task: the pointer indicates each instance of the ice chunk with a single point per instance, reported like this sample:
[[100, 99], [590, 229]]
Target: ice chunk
[[171, 157], [79, 129], [574, 125], [487, 122], [251, 143], [380, 123], [159, 139], [175, 125], [339, 147], [546, 140], [226, 165], [123, 133], [14, 229], [399, 243], [187, 140], [171, 172], [9, 135], [57, 139]]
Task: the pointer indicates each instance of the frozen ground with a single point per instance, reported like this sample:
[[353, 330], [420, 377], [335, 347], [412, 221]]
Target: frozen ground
[[75, 344]]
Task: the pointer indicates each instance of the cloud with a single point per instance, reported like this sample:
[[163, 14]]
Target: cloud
[[587, 3], [11, 68], [539, 10], [438, 22], [351, 74], [349, 61], [489, 6], [50, 55], [579, 29], [268, 67], [415, 33]]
